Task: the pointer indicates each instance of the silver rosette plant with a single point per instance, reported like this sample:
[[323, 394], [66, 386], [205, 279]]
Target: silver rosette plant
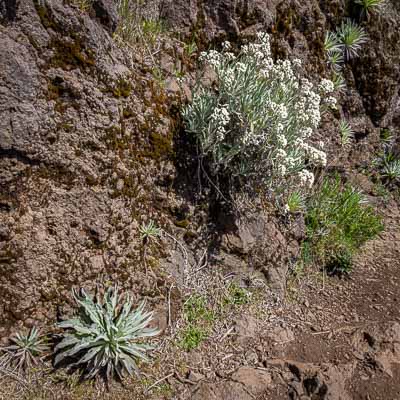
[[25, 350], [106, 335]]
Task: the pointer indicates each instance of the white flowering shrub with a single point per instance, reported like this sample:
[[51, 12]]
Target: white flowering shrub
[[259, 122]]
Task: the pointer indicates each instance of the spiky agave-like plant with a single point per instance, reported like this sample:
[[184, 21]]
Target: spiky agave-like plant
[[106, 335], [351, 37], [331, 42], [339, 82], [346, 132], [149, 231], [369, 6], [390, 168], [295, 202], [335, 60], [334, 52], [25, 349]]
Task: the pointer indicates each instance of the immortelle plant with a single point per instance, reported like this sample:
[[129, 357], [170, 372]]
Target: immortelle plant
[[106, 335], [259, 123]]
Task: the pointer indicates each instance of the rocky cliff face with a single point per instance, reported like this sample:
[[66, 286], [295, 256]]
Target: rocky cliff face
[[85, 136], [91, 145]]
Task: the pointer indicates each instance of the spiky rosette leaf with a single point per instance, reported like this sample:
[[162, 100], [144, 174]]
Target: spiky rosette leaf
[[339, 82], [351, 37], [149, 231], [368, 6], [390, 167], [346, 132], [331, 42], [25, 349], [335, 60], [106, 335]]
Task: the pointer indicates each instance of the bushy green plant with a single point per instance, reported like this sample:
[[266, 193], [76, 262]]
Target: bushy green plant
[[196, 309], [369, 6], [236, 295], [151, 29], [346, 132], [351, 36], [198, 317], [191, 337], [257, 125], [84, 5], [106, 335], [26, 349], [340, 263], [339, 221]]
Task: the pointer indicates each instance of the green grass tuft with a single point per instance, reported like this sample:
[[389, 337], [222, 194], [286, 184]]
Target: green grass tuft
[[338, 223], [236, 295], [295, 202]]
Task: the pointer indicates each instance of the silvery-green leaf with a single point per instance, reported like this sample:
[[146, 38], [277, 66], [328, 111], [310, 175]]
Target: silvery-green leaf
[[67, 341]]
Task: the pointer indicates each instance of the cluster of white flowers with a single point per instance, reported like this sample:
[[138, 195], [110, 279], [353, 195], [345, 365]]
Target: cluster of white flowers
[[326, 86], [261, 49], [297, 63], [212, 57], [272, 111], [306, 132], [220, 119], [331, 102], [306, 178], [316, 156], [281, 170], [226, 46], [228, 77], [281, 140], [313, 111]]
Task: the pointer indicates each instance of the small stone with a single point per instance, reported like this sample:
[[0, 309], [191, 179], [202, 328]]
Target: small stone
[[120, 184], [255, 380], [195, 376]]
